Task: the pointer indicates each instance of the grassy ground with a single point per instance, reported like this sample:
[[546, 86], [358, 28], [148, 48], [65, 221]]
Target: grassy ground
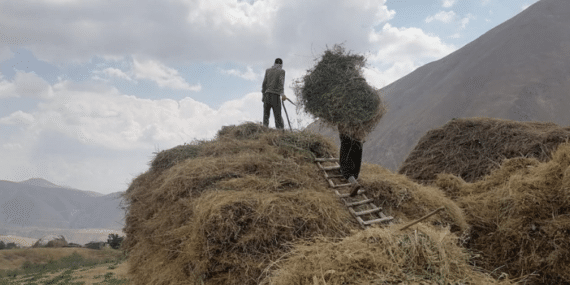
[[62, 266]]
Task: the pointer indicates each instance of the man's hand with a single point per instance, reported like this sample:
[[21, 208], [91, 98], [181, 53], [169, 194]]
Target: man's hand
[[283, 97]]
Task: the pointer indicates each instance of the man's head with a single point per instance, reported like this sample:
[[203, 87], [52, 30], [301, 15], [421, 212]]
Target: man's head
[[278, 61]]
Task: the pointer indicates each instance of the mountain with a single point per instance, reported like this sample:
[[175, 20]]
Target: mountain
[[519, 70], [46, 184], [40, 203]]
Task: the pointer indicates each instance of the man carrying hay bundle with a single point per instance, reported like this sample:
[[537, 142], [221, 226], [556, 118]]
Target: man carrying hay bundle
[[335, 91], [273, 86]]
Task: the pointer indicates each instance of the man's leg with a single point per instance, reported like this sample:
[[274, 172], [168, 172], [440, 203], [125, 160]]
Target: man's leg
[[266, 110], [345, 162], [277, 112]]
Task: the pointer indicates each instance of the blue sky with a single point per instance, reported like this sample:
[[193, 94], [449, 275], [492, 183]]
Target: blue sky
[[90, 89]]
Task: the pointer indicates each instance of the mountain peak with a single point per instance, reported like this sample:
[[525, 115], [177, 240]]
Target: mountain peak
[[40, 182]]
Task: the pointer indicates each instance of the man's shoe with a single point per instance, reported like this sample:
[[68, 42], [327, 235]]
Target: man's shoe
[[355, 186]]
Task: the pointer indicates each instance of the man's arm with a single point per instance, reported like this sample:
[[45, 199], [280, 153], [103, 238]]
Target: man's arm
[[282, 82], [264, 85]]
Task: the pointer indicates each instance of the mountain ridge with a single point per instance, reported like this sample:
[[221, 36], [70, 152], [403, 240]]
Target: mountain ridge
[[26, 205]]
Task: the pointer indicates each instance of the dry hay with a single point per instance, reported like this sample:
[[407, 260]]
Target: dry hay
[[520, 217], [221, 215], [335, 91], [427, 255], [408, 200], [474, 147]]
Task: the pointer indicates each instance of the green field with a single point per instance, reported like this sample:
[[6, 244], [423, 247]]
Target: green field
[[38, 266]]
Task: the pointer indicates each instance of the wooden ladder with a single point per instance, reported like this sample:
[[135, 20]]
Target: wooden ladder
[[360, 206]]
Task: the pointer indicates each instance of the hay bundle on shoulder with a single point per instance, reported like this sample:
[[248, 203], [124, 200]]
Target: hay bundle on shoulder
[[335, 91]]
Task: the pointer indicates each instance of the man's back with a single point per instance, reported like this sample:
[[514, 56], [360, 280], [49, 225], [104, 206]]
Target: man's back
[[274, 81]]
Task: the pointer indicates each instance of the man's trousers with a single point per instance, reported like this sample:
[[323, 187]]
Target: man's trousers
[[350, 156], [272, 101]]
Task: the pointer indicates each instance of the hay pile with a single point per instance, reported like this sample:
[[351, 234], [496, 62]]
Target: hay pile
[[335, 91], [220, 211], [474, 147], [251, 207], [407, 200], [520, 216], [381, 256]]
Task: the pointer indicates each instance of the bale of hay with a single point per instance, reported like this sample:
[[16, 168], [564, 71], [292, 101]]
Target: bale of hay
[[335, 91], [471, 148], [380, 256], [520, 218], [224, 215]]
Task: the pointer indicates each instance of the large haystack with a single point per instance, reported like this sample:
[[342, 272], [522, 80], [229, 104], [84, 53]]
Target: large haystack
[[251, 206], [220, 211], [520, 216], [473, 147], [335, 91], [381, 256]]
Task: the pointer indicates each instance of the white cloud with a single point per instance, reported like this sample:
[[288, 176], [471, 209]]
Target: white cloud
[[442, 16], [407, 44], [485, 2], [18, 118], [380, 78], [448, 3], [186, 31], [249, 74], [99, 115], [163, 76], [115, 72], [466, 19], [25, 84]]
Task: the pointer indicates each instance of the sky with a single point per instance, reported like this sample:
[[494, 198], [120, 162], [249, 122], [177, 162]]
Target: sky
[[89, 90]]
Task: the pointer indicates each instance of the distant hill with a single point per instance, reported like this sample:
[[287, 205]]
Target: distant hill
[[519, 70], [46, 184], [40, 203]]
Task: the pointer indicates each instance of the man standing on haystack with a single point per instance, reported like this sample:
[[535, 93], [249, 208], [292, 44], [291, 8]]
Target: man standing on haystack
[[273, 89]]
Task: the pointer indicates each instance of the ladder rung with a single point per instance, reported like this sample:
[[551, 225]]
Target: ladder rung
[[368, 211], [357, 203], [332, 175], [326, 159], [347, 195], [378, 220], [335, 176], [330, 167]]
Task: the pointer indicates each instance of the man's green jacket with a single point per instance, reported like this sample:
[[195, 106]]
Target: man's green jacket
[[274, 80]]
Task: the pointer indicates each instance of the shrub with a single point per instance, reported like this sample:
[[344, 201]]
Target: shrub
[[115, 241], [95, 245]]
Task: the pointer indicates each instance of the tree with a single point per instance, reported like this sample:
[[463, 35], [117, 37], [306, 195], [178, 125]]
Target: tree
[[11, 245], [2, 245], [114, 240]]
